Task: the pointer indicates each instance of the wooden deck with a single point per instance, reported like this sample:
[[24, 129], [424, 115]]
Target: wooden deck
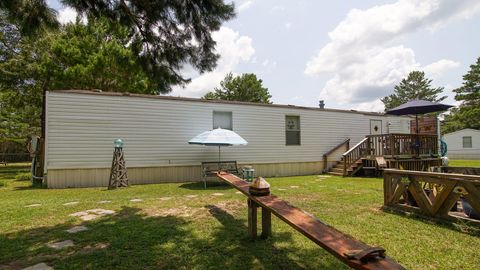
[[399, 151], [332, 240]]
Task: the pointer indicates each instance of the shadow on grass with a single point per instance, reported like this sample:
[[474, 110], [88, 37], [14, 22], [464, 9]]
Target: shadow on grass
[[211, 185], [131, 240], [463, 227]]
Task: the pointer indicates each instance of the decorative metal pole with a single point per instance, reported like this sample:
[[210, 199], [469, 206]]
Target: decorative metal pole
[[118, 173]]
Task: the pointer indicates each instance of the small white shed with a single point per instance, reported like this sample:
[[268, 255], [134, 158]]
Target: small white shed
[[463, 144]]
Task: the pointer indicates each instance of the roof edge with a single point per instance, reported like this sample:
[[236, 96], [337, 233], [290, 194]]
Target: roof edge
[[189, 99]]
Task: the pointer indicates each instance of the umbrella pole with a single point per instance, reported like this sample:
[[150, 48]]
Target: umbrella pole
[[417, 143]]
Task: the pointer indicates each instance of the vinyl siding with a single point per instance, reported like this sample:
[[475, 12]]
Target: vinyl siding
[[81, 129], [455, 144]]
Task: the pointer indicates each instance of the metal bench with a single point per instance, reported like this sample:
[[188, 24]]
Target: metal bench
[[352, 252], [210, 169]]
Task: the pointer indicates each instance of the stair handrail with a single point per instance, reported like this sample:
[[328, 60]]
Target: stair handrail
[[354, 154], [325, 156]]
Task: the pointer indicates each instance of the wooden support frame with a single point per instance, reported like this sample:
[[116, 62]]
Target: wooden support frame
[[337, 243], [448, 189]]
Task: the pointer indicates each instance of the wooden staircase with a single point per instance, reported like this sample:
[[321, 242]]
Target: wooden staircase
[[351, 171]]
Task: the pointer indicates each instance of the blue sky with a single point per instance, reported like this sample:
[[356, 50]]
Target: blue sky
[[348, 53]]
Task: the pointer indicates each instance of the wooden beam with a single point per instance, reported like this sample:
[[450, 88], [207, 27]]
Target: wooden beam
[[327, 237]]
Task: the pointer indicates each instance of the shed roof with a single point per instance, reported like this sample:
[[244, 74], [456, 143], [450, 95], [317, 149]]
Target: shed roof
[[123, 94]]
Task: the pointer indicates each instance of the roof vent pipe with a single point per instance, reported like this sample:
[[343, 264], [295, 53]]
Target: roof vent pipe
[[321, 104]]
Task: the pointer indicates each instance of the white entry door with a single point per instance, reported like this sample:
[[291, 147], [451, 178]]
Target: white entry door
[[375, 127]]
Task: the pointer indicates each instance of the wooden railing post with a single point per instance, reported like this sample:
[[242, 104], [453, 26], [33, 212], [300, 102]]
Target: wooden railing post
[[344, 165], [392, 144], [266, 223]]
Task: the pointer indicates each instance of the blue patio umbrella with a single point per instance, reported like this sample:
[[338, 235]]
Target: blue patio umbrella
[[218, 137], [417, 107]]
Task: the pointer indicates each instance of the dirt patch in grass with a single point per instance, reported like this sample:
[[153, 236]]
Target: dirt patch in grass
[[193, 212]]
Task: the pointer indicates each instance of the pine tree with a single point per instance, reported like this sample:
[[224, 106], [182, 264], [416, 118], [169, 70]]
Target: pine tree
[[415, 86], [467, 115]]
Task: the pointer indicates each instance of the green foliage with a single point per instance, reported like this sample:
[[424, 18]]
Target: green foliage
[[415, 86], [32, 16], [92, 56], [163, 35], [245, 87], [467, 115]]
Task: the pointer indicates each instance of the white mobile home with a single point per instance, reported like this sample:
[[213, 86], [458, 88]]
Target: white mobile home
[[463, 144], [282, 140]]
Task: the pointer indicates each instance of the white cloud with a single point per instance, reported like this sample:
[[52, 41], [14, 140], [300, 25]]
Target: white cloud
[[371, 106], [233, 49], [288, 25], [67, 15], [245, 5], [361, 55], [436, 69]]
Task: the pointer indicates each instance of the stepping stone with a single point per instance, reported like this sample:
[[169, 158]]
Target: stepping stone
[[100, 211], [70, 203], [77, 229], [165, 198], [92, 214], [217, 194], [191, 196], [105, 201], [238, 192], [62, 244], [281, 189], [294, 186], [39, 266], [33, 205], [136, 200]]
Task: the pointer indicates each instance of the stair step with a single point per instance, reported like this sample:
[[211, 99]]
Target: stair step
[[340, 170]]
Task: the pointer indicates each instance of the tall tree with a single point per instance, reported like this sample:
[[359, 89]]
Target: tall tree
[[78, 56], [245, 87], [467, 115], [164, 35], [415, 86]]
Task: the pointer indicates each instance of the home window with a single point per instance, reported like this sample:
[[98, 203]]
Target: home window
[[292, 130], [467, 142], [222, 120]]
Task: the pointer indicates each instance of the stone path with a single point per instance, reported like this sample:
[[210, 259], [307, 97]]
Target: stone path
[[77, 229], [62, 244], [165, 198], [92, 214], [217, 194], [281, 189], [136, 200], [294, 186], [70, 203], [238, 192], [105, 201], [33, 205], [191, 196], [39, 266]]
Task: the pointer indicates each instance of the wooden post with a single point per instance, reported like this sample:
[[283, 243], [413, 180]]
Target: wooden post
[[266, 223], [252, 218]]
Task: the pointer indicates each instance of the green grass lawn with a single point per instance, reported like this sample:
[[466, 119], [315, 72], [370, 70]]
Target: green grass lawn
[[168, 230], [465, 163]]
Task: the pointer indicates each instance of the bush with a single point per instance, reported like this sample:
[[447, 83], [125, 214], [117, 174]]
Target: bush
[[24, 176]]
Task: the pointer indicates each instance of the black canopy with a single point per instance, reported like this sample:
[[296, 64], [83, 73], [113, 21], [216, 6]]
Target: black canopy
[[418, 106]]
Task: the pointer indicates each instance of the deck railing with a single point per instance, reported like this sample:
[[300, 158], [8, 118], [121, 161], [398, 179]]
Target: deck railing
[[345, 143], [355, 153], [396, 144]]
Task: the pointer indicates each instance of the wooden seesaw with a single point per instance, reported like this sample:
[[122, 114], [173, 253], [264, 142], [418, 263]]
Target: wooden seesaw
[[352, 252]]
